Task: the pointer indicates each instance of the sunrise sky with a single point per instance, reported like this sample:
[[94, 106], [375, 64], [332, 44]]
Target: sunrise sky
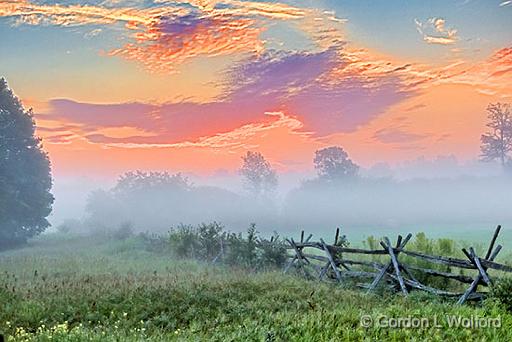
[[192, 85]]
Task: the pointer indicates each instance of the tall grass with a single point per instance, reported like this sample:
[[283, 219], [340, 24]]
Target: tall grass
[[96, 289]]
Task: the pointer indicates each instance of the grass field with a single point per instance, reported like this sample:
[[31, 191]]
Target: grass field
[[74, 289]]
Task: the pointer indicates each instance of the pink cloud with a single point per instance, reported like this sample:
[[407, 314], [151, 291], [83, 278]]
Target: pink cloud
[[293, 83]]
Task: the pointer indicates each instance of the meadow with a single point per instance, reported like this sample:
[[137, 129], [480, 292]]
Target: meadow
[[69, 288]]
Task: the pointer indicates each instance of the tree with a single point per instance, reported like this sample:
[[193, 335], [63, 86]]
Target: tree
[[140, 182], [496, 144], [332, 163], [259, 177], [146, 199], [25, 175]]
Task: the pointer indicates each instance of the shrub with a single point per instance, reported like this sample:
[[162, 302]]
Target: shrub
[[155, 242], [70, 226], [241, 251], [124, 231], [502, 292], [183, 241], [272, 252], [209, 240], [210, 243]]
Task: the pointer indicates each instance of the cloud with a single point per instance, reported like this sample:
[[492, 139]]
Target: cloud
[[490, 76], [92, 33], [434, 31], [396, 135], [234, 139], [170, 42], [164, 36], [298, 84]]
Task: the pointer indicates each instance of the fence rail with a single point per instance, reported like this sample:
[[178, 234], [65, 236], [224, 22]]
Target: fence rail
[[335, 264]]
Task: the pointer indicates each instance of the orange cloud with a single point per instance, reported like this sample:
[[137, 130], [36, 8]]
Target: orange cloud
[[30, 13], [169, 35], [161, 51]]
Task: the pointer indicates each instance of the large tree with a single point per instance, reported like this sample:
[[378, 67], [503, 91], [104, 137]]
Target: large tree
[[259, 177], [497, 141], [25, 178], [333, 164]]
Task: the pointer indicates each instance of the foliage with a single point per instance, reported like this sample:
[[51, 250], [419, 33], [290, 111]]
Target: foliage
[[148, 297], [210, 238], [153, 201], [184, 241], [332, 163], [146, 182], [70, 226], [243, 251], [211, 243], [272, 252], [139, 197], [25, 179], [502, 292], [124, 231], [497, 142], [259, 177]]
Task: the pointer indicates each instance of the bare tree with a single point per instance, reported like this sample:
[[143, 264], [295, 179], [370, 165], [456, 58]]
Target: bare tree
[[333, 163], [496, 144], [258, 174]]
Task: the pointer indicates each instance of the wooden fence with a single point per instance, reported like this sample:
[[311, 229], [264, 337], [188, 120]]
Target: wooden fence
[[335, 264]]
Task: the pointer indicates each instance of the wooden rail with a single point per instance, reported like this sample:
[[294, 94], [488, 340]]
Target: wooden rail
[[334, 265]]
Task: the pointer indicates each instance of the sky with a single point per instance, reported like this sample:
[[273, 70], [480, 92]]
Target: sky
[[191, 85]]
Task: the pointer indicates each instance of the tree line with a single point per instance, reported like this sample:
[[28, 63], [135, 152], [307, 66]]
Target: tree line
[[25, 175]]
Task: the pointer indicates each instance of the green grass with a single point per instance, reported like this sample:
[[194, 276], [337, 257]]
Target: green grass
[[93, 289]]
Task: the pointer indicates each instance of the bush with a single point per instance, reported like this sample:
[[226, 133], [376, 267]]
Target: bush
[[445, 247], [154, 242], [70, 226], [502, 292], [242, 252], [183, 241], [209, 242], [124, 231], [272, 252]]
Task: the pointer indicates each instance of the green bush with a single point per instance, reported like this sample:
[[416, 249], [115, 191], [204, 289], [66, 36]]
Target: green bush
[[502, 292], [209, 240], [184, 241], [272, 253], [210, 243], [242, 251], [155, 242]]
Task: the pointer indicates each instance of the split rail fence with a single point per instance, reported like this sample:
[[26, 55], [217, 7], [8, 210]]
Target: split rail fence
[[333, 262]]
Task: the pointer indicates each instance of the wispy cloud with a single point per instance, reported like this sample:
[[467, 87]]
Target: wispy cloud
[[175, 31], [434, 31], [397, 135], [292, 83]]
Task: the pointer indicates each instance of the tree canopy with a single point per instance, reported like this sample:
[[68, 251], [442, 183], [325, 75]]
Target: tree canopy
[[333, 164], [25, 177], [259, 177], [497, 141]]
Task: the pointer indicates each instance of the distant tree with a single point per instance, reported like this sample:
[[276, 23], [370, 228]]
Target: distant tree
[[139, 197], [259, 177], [496, 144], [332, 163], [144, 182], [25, 178]]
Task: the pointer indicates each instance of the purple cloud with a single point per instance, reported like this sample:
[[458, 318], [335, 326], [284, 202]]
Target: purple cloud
[[292, 82]]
